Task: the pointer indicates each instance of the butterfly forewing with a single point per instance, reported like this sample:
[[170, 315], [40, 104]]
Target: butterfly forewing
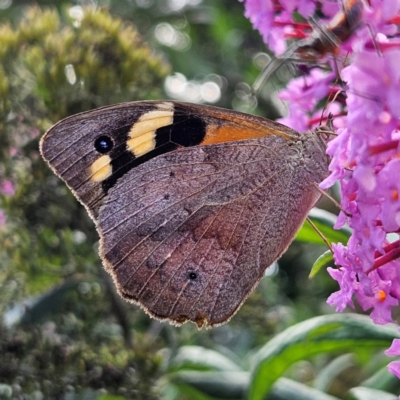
[[69, 148]]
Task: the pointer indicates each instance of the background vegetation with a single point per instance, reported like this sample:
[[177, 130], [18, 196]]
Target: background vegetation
[[64, 333]]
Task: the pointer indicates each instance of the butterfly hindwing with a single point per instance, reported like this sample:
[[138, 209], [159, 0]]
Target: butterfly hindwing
[[190, 233]]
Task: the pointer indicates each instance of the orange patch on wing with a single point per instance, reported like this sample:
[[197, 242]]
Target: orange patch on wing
[[230, 133]]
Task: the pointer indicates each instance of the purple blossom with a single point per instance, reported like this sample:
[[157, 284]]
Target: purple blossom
[[274, 20], [301, 95], [378, 298], [389, 181], [394, 350], [7, 188], [345, 276], [366, 153]]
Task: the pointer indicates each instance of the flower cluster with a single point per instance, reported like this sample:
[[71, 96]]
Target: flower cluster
[[365, 154]]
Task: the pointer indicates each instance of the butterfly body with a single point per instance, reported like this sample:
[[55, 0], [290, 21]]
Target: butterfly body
[[192, 203]]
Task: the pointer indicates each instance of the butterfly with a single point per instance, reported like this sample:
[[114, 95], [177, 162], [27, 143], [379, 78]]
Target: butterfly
[[191, 202], [325, 40], [339, 29]]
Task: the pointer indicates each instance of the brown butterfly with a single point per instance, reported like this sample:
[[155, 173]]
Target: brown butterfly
[[325, 40], [340, 29], [192, 203]]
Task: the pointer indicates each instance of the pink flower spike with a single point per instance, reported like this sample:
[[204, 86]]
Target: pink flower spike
[[365, 155]]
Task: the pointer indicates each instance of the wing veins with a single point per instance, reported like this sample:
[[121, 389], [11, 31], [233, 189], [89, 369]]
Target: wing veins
[[145, 238], [173, 165], [287, 192], [258, 188], [197, 191], [156, 270], [73, 144], [219, 260], [144, 184], [183, 261], [221, 208]]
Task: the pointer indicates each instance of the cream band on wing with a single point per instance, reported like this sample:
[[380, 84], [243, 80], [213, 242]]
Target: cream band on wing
[[101, 169], [143, 132]]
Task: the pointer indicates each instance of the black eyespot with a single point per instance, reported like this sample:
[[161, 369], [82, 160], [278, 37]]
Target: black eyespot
[[172, 174], [166, 197], [103, 144], [192, 276]]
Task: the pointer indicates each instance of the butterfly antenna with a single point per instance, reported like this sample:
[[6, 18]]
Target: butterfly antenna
[[323, 31], [330, 100], [320, 234], [328, 196], [274, 65], [332, 96]]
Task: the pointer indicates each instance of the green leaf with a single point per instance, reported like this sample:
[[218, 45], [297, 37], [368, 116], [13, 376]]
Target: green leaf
[[37, 309], [200, 358], [186, 392], [320, 262], [234, 385], [324, 221], [285, 389], [364, 393], [382, 380], [332, 370], [222, 385], [329, 334]]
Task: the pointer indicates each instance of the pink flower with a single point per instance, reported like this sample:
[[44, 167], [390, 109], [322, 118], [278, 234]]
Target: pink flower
[[302, 95], [394, 350], [378, 298], [389, 182], [7, 188], [275, 21], [366, 153], [345, 276]]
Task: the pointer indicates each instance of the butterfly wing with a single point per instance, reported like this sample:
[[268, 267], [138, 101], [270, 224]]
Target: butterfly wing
[[192, 203], [189, 234]]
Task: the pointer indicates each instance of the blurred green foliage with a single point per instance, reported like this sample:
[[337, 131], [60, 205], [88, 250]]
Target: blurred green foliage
[[64, 333], [109, 63]]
